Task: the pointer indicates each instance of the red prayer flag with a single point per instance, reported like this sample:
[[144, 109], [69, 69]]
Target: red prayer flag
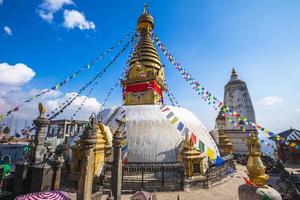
[[166, 109], [248, 182], [193, 138]]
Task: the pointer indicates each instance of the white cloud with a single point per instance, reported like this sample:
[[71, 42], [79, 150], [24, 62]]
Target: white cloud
[[74, 18], [7, 30], [15, 75], [270, 101], [51, 101], [49, 7]]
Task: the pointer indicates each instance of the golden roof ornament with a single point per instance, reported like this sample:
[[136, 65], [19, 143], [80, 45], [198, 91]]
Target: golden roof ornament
[[145, 21], [255, 166], [42, 110]]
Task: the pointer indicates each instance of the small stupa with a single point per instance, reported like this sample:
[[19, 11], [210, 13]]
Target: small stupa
[[224, 144]]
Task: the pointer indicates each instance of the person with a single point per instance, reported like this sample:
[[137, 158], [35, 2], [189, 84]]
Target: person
[[6, 168]]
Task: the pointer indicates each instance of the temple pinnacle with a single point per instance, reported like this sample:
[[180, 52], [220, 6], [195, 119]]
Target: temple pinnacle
[[145, 12], [234, 75]]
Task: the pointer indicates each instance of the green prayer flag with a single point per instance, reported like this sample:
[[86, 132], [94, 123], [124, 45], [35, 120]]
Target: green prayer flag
[[201, 146]]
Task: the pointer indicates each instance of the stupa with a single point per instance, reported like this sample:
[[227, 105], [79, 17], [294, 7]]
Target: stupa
[[150, 135], [157, 153]]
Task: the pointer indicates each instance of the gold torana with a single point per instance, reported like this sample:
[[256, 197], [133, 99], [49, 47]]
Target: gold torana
[[255, 166], [144, 83]]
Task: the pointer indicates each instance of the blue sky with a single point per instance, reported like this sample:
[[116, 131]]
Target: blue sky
[[259, 38]]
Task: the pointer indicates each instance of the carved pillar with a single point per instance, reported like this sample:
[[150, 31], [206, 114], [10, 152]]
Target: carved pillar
[[88, 142], [41, 123], [116, 176]]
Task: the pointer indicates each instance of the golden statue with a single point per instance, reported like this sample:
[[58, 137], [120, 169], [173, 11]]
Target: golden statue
[[255, 166], [42, 110]]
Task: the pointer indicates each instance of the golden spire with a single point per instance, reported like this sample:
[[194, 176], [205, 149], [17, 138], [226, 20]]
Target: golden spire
[[224, 143], [255, 166], [146, 70]]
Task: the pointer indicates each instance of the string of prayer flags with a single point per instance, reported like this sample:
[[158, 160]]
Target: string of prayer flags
[[204, 93], [181, 127], [73, 75], [125, 71], [97, 76]]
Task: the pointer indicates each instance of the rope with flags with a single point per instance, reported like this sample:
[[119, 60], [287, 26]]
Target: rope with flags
[[98, 76], [124, 73], [171, 96], [65, 104], [72, 76], [184, 129], [202, 91], [111, 90]]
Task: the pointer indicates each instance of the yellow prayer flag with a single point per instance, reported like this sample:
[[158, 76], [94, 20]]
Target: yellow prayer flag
[[174, 120], [210, 153], [125, 142]]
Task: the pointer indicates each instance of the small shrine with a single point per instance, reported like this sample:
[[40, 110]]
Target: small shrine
[[192, 159], [224, 144]]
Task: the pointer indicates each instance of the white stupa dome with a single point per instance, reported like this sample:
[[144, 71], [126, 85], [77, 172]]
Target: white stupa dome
[[151, 136]]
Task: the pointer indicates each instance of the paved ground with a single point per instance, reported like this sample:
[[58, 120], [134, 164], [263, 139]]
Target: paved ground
[[228, 190]]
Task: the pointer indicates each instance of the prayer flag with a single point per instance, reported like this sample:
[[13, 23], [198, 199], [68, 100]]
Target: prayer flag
[[180, 126], [248, 182], [171, 114], [166, 109], [193, 138], [201, 146], [219, 161], [174, 120], [210, 153]]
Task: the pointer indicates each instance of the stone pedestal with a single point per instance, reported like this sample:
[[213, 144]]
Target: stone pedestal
[[38, 150], [41, 175], [20, 178], [247, 192]]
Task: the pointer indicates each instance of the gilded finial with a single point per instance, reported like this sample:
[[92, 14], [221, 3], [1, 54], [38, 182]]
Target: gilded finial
[[42, 109], [255, 166], [145, 21]]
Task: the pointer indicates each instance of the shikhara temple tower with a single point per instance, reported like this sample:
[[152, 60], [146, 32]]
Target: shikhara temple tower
[[144, 83], [236, 97]]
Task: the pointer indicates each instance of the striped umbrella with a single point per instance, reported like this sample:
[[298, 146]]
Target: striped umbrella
[[51, 195]]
